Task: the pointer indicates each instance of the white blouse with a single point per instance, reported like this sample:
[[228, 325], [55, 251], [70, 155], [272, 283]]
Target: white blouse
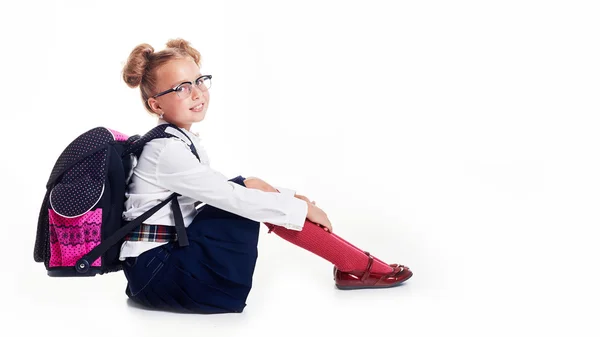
[[167, 165]]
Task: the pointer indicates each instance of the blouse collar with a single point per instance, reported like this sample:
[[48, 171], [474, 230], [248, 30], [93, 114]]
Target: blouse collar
[[189, 133]]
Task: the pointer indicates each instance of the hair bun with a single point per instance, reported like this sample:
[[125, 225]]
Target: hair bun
[[136, 64], [186, 47]]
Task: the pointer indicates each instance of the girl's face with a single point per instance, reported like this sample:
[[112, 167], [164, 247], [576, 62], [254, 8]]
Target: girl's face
[[181, 107]]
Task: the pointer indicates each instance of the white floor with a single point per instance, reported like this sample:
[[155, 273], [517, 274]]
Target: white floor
[[465, 284]]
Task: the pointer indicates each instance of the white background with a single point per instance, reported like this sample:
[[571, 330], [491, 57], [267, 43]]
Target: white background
[[457, 137]]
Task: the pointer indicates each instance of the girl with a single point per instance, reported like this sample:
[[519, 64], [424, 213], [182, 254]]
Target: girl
[[213, 274]]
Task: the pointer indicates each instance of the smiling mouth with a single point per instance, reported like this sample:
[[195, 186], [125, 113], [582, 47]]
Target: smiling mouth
[[198, 108]]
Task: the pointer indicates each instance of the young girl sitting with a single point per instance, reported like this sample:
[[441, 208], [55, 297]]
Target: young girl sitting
[[213, 274]]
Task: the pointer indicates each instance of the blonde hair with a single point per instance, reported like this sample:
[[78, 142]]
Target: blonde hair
[[142, 63]]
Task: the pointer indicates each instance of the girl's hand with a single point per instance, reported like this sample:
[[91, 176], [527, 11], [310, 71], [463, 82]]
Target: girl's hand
[[316, 215]]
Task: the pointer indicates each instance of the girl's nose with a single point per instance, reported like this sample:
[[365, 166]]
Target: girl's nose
[[196, 92]]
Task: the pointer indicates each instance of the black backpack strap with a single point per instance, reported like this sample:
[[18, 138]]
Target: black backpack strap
[[160, 131], [83, 264], [135, 146], [179, 226], [166, 130], [174, 131]]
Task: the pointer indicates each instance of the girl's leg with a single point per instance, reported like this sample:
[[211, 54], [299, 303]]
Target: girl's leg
[[329, 246], [342, 254], [339, 238]]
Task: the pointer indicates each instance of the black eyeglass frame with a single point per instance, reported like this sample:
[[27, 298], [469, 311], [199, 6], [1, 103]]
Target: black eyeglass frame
[[203, 77]]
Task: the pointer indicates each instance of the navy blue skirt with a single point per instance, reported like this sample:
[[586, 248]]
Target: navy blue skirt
[[211, 275]]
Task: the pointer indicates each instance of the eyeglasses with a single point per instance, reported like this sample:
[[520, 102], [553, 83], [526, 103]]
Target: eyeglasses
[[184, 90]]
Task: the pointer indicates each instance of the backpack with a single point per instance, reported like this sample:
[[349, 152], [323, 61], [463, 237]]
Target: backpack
[[80, 225]]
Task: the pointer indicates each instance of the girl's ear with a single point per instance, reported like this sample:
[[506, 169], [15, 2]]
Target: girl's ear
[[155, 106]]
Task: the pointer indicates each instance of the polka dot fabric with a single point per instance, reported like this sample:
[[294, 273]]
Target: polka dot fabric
[[80, 147], [83, 204], [118, 136], [80, 187], [71, 223], [71, 238]]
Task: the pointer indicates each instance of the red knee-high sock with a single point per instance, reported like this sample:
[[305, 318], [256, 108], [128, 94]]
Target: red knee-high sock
[[329, 246], [348, 243]]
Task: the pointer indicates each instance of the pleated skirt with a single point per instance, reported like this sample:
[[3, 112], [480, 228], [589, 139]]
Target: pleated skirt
[[211, 275]]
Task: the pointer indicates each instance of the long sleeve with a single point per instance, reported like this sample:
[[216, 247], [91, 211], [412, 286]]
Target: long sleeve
[[179, 171], [285, 191]]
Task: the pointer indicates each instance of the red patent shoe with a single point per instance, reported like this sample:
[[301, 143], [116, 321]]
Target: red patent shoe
[[347, 280]]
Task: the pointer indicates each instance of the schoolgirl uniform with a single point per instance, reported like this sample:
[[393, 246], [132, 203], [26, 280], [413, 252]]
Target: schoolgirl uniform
[[213, 274]]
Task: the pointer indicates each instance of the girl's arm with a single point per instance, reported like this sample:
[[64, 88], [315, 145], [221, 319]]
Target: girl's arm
[[314, 213], [178, 170], [259, 184]]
